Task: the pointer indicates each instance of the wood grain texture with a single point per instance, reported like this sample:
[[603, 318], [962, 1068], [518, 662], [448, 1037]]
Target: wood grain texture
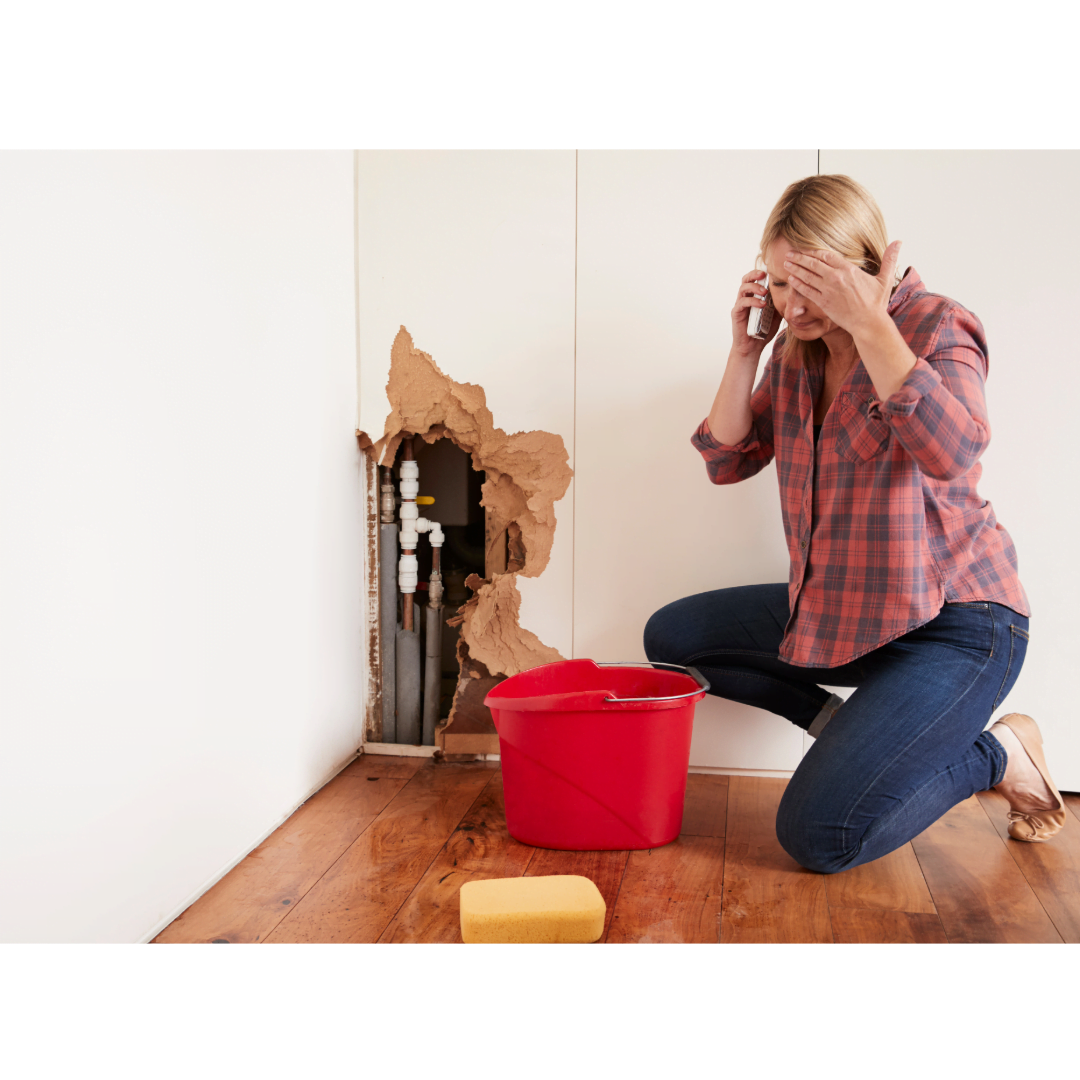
[[603, 868], [881, 926], [978, 889], [705, 808], [768, 897], [671, 894], [893, 882], [368, 765], [1073, 803], [261, 890], [357, 897], [479, 848], [1052, 869]]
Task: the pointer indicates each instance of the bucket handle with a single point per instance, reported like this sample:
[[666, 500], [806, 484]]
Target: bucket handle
[[693, 672]]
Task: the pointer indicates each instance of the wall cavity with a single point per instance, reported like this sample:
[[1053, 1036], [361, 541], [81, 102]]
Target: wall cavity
[[526, 474]]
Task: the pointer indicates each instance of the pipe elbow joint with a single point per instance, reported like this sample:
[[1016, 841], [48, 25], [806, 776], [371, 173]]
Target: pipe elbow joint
[[434, 530]]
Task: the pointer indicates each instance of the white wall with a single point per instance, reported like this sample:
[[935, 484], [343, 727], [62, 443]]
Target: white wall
[[992, 229], [469, 250], [182, 522]]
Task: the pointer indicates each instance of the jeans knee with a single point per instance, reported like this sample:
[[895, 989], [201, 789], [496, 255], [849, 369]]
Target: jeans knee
[[808, 844], [657, 643]]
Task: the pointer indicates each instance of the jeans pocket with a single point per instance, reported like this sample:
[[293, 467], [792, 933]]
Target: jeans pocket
[[859, 437], [1018, 642]]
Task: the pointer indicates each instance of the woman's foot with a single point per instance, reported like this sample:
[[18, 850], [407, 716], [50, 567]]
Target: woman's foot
[[1037, 809]]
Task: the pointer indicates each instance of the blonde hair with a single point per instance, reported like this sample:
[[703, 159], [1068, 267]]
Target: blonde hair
[[826, 212]]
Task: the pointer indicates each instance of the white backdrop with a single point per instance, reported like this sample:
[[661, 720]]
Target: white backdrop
[[181, 538]]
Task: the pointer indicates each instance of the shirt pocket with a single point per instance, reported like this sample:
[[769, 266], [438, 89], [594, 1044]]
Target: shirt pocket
[[859, 437]]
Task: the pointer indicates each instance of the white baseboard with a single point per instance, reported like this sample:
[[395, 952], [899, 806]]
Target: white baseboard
[[177, 912], [398, 749], [407, 750], [710, 770]]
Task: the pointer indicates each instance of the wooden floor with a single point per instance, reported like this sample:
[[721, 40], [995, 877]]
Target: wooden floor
[[379, 854]]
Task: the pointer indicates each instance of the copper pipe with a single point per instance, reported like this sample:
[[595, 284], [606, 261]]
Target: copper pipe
[[406, 610]]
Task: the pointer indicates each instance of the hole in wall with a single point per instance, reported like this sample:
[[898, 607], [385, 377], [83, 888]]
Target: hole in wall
[[447, 476], [521, 476]]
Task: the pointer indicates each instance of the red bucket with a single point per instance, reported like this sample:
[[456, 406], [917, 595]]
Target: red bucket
[[595, 756]]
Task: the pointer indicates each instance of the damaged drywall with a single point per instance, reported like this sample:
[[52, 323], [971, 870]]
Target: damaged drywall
[[489, 626], [526, 474]]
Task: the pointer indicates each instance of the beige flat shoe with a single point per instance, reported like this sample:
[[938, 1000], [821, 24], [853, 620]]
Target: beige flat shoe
[[1044, 824]]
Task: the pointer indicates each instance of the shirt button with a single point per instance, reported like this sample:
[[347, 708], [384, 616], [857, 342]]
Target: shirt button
[[802, 543]]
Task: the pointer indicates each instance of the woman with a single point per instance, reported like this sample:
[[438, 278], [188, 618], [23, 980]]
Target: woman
[[902, 584]]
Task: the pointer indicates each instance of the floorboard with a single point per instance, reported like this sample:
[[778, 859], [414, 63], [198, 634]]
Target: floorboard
[[705, 808], [258, 893], [671, 894], [893, 882], [381, 852], [978, 889], [767, 897], [603, 868], [479, 848], [882, 926], [1052, 869], [357, 897]]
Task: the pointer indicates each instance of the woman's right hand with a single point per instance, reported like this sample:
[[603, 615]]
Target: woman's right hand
[[752, 294]]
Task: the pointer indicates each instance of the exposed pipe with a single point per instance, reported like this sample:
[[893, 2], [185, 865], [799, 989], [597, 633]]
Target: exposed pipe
[[407, 641], [388, 606], [407, 647], [433, 669]]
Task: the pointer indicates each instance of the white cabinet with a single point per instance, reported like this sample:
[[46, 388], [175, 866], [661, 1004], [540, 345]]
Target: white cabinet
[[663, 239], [473, 252], [589, 294]]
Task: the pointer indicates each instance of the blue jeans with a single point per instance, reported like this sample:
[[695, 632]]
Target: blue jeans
[[906, 746]]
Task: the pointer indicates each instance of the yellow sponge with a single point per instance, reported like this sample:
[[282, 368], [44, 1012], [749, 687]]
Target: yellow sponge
[[560, 908]]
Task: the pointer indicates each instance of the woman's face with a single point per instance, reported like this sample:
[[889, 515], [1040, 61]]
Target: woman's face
[[805, 320]]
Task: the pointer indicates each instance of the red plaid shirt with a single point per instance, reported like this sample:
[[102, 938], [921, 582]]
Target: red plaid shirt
[[889, 526]]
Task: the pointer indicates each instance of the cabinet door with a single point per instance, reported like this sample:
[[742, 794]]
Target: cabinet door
[[663, 240], [473, 252], [995, 230]]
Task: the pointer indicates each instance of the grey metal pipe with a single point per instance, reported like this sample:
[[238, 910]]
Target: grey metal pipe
[[407, 643], [388, 607], [432, 672]]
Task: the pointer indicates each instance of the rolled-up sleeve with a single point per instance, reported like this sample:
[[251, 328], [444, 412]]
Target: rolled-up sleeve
[[939, 414], [728, 464]]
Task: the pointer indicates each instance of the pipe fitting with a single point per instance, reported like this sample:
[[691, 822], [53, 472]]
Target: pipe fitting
[[425, 525], [435, 590], [407, 572], [386, 505], [410, 480]]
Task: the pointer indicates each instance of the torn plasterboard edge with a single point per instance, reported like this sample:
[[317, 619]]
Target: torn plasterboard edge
[[494, 637], [526, 474]]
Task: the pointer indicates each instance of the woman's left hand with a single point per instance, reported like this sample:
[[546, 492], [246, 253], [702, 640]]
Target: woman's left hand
[[846, 295]]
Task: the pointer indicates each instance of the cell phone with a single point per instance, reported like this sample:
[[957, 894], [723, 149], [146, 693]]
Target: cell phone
[[761, 319]]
